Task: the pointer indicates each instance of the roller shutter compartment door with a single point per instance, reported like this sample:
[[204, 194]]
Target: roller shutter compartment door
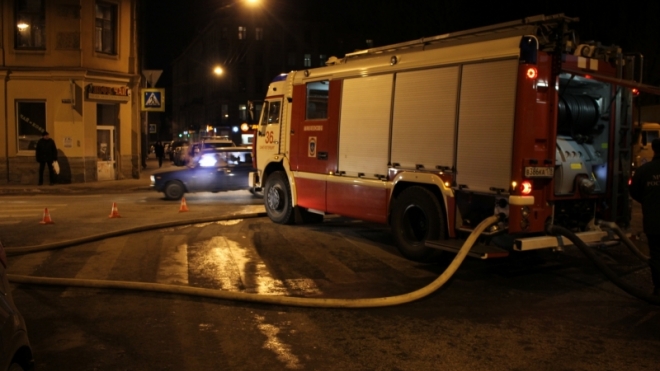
[[423, 128], [364, 127], [485, 125]]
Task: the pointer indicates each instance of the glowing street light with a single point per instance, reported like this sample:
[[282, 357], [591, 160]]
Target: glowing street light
[[218, 70]]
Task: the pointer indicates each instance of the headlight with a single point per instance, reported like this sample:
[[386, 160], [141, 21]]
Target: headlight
[[208, 160]]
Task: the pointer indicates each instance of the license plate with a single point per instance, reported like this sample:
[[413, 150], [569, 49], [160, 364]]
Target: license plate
[[539, 172]]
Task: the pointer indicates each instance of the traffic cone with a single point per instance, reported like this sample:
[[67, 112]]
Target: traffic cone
[[114, 213], [46, 219], [183, 206]]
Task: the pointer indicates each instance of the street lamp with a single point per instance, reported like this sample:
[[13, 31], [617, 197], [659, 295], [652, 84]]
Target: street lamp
[[218, 71]]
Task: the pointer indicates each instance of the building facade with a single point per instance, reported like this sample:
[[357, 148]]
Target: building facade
[[69, 67], [251, 46]]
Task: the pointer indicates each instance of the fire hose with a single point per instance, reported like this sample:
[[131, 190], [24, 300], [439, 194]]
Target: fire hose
[[586, 250], [239, 296]]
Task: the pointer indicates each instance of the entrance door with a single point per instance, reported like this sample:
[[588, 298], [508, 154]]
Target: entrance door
[[105, 149]]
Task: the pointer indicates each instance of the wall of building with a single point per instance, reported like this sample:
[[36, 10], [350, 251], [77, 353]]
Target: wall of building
[[61, 75]]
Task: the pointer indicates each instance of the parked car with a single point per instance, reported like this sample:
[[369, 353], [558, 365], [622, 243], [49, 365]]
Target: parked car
[[15, 350], [175, 148], [212, 170]]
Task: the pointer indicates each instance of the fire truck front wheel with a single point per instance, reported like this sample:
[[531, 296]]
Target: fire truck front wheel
[[416, 218], [277, 198]]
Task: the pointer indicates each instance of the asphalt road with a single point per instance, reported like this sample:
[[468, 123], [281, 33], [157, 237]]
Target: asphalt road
[[534, 311]]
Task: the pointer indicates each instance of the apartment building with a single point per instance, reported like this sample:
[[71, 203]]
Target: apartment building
[[69, 67]]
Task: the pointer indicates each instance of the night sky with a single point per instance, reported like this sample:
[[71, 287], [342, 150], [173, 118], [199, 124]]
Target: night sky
[[171, 24]]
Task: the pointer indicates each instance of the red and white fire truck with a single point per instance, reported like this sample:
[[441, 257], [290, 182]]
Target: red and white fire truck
[[434, 135]]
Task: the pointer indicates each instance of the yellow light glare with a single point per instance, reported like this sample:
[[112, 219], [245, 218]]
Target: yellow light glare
[[22, 26], [514, 184], [218, 70]]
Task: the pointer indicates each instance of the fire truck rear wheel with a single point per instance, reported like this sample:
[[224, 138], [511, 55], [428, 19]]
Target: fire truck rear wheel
[[277, 198], [417, 217]]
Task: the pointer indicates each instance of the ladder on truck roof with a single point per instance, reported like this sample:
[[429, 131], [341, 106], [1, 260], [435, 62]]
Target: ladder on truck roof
[[536, 25]]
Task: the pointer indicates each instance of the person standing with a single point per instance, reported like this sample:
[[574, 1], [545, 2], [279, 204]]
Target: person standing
[[46, 153], [160, 152], [645, 189]]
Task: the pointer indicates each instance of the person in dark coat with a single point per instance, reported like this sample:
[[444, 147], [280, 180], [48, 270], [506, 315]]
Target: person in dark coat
[[160, 152], [645, 189], [46, 153]]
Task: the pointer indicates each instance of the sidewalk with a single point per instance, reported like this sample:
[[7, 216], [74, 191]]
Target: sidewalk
[[124, 185]]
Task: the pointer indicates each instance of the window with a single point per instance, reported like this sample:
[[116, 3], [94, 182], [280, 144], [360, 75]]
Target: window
[[317, 100], [30, 24], [291, 59], [242, 112], [271, 113], [242, 32], [322, 59], [307, 62], [106, 28], [259, 33], [31, 122]]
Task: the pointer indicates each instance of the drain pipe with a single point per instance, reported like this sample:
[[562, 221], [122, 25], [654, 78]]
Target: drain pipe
[[586, 250], [270, 299]]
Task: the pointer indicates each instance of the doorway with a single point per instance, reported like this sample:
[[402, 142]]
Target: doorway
[[105, 148]]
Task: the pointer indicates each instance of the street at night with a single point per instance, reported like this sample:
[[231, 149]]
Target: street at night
[[329, 185], [537, 310]]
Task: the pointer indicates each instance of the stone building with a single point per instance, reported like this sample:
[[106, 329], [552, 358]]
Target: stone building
[[69, 67]]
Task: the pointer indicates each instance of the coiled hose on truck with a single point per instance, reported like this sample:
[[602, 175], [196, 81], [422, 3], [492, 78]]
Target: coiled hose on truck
[[586, 250], [265, 299]]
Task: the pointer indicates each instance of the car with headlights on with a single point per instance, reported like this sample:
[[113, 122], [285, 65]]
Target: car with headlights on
[[15, 350], [211, 170]]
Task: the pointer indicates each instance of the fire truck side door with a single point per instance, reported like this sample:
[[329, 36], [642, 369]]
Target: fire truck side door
[[268, 140]]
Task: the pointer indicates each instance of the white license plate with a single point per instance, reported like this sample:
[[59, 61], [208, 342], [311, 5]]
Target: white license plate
[[539, 172]]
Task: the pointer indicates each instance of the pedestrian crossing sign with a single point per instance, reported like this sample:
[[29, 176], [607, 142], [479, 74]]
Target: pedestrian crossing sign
[[153, 100]]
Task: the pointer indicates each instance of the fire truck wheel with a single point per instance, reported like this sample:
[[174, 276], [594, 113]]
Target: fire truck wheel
[[277, 198], [417, 217]]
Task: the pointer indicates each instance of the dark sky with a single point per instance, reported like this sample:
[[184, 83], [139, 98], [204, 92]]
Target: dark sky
[[171, 24]]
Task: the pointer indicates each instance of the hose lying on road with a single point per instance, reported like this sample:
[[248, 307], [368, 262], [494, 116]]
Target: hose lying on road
[[626, 241], [268, 299], [586, 250], [12, 251]]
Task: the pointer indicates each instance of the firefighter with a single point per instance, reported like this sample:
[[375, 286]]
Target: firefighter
[[645, 189]]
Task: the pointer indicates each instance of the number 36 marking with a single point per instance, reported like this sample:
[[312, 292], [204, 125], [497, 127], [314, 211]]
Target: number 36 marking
[[269, 137]]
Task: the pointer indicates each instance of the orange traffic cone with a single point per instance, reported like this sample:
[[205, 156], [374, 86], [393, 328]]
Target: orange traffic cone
[[183, 206], [46, 219], [114, 213]]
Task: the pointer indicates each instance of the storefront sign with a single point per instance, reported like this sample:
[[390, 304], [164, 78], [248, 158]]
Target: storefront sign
[[113, 93]]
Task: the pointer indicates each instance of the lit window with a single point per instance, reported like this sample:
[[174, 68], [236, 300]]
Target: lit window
[[106, 28], [242, 32], [30, 24], [308, 60], [322, 59], [259, 33]]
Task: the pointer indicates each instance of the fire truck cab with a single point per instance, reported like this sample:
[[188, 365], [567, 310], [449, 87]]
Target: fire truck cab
[[434, 135]]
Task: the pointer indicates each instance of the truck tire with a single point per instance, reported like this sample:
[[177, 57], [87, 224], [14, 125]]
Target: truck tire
[[277, 198], [417, 217], [174, 190]]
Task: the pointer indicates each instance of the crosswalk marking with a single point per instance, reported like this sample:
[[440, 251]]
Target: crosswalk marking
[[100, 265]]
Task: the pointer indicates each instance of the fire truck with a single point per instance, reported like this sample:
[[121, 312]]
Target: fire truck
[[432, 136]]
